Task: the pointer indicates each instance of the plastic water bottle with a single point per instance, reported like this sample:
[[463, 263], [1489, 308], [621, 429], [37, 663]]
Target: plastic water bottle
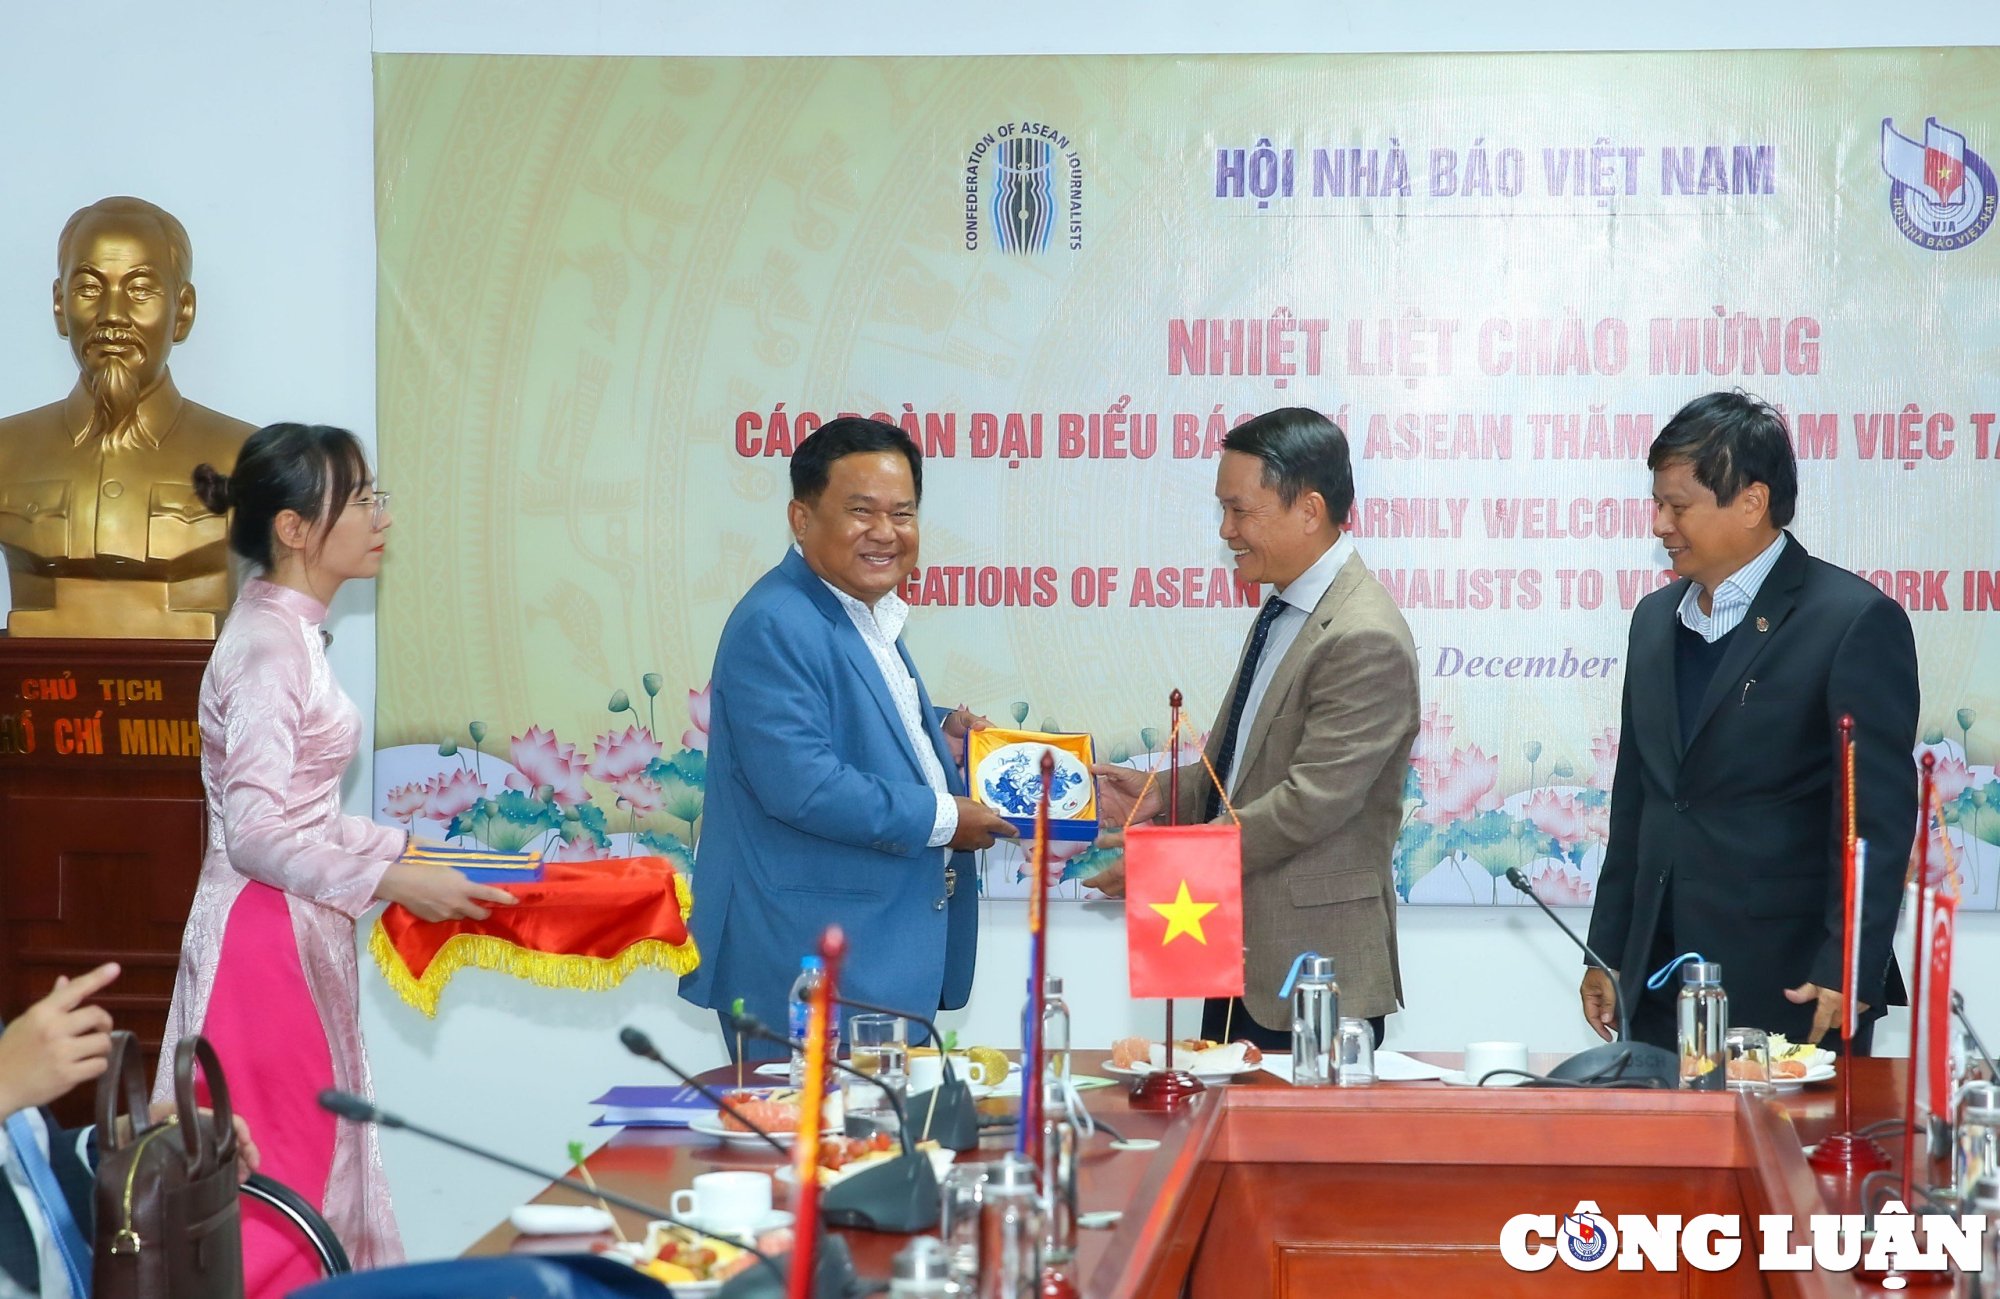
[[799, 1007], [1315, 998], [1055, 1032], [1704, 1022]]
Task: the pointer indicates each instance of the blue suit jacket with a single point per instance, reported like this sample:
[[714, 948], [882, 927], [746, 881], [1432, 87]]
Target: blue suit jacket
[[818, 813]]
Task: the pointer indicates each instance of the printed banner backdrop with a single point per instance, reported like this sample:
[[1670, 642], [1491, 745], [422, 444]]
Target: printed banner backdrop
[[616, 292]]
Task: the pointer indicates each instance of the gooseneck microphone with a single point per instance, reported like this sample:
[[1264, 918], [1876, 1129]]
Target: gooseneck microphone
[[899, 1194], [947, 1113], [360, 1110], [1520, 882], [929, 1025], [1965, 1022], [1618, 1062], [642, 1046]]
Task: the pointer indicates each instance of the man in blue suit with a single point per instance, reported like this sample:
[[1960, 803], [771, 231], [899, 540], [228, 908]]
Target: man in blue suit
[[832, 796]]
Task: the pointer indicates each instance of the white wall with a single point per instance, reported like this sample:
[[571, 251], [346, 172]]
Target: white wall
[[253, 123]]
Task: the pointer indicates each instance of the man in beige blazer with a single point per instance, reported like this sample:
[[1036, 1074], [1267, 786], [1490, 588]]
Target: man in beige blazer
[[1314, 736]]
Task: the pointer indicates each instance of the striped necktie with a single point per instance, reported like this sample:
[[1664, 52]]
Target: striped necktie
[[1226, 758]]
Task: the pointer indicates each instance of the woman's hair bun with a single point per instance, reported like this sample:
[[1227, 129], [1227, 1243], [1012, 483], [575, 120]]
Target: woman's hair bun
[[212, 487]]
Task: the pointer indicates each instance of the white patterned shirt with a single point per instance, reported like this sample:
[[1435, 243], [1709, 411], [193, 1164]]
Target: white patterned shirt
[[1733, 596], [879, 628]]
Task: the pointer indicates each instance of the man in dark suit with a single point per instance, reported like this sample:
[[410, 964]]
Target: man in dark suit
[[1725, 805], [832, 794]]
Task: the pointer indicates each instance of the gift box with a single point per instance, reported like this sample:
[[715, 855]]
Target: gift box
[[1004, 772], [480, 865]]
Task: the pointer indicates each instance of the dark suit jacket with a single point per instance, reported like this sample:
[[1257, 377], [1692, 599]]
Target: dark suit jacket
[[817, 813], [17, 1247], [1742, 814]]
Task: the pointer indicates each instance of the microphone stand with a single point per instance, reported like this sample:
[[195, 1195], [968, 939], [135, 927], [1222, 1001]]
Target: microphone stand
[[947, 1111], [896, 1195], [1621, 1062], [834, 1279], [1958, 1009]]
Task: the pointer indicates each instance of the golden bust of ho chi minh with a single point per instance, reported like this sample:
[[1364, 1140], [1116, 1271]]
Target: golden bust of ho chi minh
[[103, 533]]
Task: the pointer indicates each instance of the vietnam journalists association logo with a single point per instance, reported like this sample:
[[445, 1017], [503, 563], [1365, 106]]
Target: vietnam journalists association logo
[[1941, 193], [1024, 189]]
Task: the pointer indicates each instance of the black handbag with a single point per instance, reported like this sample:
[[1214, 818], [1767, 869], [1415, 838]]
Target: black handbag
[[169, 1221]]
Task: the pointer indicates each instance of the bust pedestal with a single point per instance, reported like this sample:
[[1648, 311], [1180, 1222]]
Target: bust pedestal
[[102, 821]]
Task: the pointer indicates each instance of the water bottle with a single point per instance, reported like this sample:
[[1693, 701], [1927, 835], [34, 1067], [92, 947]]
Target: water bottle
[[1976, 1143], [1985, 1199], [799, 1015], [1704, 1021], [1315, 1019], [1055, 1034], [1010, 1231]]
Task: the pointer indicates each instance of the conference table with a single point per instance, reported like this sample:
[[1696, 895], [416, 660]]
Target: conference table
[[1258, 1188]]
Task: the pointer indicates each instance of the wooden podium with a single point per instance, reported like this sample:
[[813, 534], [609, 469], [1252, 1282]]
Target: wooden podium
[[102, 821]]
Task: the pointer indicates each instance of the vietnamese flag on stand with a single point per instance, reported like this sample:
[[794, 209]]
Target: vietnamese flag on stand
[[1184, 910]]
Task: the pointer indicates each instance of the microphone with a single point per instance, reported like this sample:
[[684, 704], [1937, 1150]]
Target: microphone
[[1958, 1009], [834, 1279], [895, 1195], [642, 1046], [946, 1113], [1623, 1061]]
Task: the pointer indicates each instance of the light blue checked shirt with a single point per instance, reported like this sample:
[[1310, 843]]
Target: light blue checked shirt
[[1733, 596]]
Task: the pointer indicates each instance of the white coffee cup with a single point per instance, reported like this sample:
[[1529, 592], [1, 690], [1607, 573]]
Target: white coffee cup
[[927, 1071], [727, 1201], [1482, 1058]]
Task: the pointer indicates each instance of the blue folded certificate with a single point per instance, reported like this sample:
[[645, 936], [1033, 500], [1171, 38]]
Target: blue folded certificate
[[661, 1106]]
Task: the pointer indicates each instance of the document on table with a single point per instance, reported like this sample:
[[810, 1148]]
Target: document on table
[[1390, 1066]]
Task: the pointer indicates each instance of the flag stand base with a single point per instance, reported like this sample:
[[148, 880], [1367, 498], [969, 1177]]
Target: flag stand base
[[1166, 1090], [1845, 1152]]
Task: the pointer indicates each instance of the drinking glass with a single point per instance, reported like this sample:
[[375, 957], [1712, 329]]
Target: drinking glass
[[879, 1046], [1354, 1053], [1746, 1057], [961, 1193]]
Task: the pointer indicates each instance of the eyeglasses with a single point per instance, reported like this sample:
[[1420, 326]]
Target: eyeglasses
[[378, 507]]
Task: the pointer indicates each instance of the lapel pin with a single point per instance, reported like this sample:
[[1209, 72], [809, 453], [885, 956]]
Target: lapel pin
[[1763, 624]]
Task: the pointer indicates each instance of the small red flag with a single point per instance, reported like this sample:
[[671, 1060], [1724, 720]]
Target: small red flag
[[1184, 910]]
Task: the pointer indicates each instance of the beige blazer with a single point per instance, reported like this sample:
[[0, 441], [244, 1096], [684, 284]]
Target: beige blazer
[[1321, 799]]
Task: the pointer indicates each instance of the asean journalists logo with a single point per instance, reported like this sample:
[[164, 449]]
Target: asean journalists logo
[[1941, 193], [1024, 189]]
